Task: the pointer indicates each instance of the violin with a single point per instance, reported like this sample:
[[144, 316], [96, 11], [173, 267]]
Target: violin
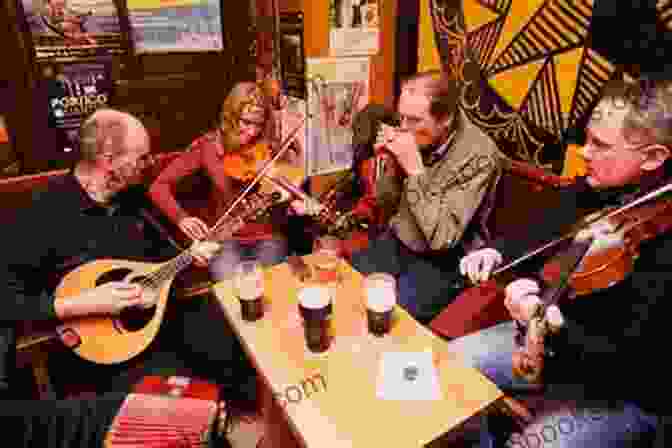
[[243, 165], [594, 261], [282, 178]]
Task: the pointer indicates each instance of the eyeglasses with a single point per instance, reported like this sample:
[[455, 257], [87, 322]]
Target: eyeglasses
[[410, 121], [603, 152], [245, 123]]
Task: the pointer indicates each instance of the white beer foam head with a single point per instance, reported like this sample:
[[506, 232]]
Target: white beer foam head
[[314, 297], [380, 299]]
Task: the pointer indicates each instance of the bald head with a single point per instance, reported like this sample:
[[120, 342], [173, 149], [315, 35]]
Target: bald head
[[441, 91], [115, 152], [111, 133]]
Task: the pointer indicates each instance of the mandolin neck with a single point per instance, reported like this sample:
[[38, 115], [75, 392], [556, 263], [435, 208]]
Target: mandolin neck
[[171, 268]]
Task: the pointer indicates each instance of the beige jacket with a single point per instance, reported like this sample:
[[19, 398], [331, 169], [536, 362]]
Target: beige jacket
[[436, 207]]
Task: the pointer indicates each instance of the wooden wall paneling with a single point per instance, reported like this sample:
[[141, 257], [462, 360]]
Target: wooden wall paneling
[[406, 41], [178, 95], [18, 77], [385, 63]]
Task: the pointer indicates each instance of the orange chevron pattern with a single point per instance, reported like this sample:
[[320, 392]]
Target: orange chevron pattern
[[596, 71], [483, 41], [559, 25], [542, 106], [499, 6], [540, 75]]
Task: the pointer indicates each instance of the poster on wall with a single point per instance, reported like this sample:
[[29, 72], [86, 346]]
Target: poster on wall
[[178, 25], [292, 56], [74, 91], [354, 27], [67, 29], [337, 89]]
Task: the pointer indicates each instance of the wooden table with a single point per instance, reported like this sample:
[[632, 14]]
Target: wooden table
[[330, 399]]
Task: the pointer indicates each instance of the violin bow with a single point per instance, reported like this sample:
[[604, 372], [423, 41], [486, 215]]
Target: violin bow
[[605, 215], [269, 164]]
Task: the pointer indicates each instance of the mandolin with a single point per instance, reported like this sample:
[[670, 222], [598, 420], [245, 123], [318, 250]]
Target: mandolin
[[116, 339]]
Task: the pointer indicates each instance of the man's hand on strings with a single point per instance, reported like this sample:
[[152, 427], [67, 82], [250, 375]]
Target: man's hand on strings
[[194, 228], [203, 252], [303, 208], [479, 264], [107, 299], [522, 300]]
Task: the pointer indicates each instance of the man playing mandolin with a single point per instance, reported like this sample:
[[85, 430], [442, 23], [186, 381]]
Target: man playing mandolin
[[603, 351], [95, 212]]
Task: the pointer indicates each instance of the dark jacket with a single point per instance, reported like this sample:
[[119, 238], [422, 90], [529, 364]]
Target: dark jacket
[[60, 231], [613, 339]]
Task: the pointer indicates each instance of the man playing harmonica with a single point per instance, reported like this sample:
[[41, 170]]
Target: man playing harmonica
[[450, 166]]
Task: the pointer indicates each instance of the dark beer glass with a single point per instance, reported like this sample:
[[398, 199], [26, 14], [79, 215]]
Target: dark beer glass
[[381, 295], [249, 283], [315, 309]]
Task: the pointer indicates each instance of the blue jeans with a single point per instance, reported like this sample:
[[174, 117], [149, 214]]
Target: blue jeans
[[267, 252], [564, 418], [426, 284]]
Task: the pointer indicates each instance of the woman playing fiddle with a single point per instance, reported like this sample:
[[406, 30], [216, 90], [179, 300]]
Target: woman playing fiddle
[[604, 353], [229, 156]]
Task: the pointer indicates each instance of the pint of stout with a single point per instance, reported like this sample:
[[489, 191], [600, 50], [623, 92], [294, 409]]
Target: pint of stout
[[249, 279], [315, 309], [381, 296]]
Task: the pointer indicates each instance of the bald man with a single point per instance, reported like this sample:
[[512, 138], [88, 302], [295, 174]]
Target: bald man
[[94, 212]]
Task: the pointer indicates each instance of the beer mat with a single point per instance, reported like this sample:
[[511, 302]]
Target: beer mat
[[407, 376]]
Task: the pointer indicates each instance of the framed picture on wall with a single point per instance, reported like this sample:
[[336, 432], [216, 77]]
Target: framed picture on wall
[[354, 27], [73, 91], [176, 26], [338, 88], [70, 29]]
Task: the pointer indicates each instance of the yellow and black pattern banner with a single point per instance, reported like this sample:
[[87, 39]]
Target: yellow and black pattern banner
[[528, 67]]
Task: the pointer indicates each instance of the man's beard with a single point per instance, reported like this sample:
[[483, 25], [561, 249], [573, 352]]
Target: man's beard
[[121, 180]]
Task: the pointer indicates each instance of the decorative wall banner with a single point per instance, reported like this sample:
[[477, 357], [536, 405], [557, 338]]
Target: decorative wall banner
[[75, 91], [532, 70], [337, 89], [428, 54], [67, 29], [178, 25], [354, 27], [293, 59]]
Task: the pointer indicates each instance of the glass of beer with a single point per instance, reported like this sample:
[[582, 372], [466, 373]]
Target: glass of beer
[[249, 284], [315, 308], [380, 290], [326, 261]]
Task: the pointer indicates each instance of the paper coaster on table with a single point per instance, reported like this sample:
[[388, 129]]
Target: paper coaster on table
[[407, 376]]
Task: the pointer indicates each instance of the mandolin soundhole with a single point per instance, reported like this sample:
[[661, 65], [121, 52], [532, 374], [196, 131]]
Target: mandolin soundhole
[[132, 318]]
